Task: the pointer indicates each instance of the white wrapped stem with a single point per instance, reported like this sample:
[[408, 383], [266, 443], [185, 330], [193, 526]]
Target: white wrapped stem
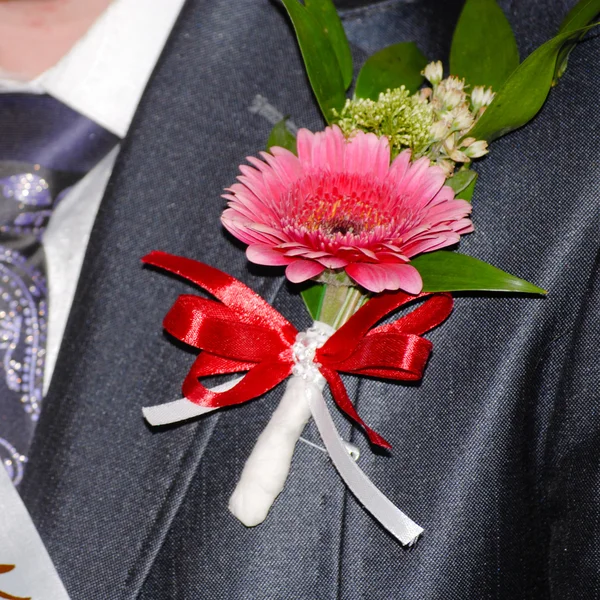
[[268, 466]]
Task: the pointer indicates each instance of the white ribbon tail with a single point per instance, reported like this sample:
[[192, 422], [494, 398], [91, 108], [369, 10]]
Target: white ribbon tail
[[393, 519], [181, 410]]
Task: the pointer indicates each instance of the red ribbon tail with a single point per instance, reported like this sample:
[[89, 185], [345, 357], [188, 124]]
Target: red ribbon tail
[[340, 395]]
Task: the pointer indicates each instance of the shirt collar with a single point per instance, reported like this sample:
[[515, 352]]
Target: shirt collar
[[105, 73]]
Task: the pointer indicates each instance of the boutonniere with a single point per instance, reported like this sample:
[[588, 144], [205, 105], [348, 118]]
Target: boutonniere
[[365, 216]]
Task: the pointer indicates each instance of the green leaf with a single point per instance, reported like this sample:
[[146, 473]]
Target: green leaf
[[467, 193], [281, 136], [321, 63], [484, 50], [396, 65], [444, 271], [325, 13], [524, 93], [580, 15], [313, 297], [463, 183]]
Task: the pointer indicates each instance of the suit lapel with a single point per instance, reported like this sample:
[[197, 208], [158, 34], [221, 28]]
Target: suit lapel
[[102, 487]]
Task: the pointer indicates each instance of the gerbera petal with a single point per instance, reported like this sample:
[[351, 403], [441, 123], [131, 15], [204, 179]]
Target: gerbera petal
[[446, 194], [332, 262], [416, 176], [367, 154], [260, 254], [463, 226], [291, 245], [301, 270], [378, 278], [399, 167], [404, 277], [391, 257], [381, 162], [285, 166], [442, 240], [427, 244], [368, 253], [334, 149], [430, 185], [314, 255], [275, 236], [304, 143], [238, 230], [391, 247], [368, 275], [319, 151], [449, 211], [289, 161], [247, 204]]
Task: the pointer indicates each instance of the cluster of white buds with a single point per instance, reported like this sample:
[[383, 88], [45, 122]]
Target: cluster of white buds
[[455, 112], [433, 122]]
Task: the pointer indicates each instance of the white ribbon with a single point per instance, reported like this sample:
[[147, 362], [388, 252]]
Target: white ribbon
[[34, 575], [266, 470]]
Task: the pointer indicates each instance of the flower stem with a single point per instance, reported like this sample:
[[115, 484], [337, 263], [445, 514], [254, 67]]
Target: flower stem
[[340, 303], [354, 300]]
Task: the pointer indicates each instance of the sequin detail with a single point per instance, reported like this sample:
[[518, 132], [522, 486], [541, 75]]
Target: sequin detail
[[22, 328], [13, 461], [27, 188], [32, 204]]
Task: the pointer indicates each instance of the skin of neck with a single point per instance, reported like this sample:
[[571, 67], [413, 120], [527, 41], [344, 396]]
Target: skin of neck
[[36, 34]]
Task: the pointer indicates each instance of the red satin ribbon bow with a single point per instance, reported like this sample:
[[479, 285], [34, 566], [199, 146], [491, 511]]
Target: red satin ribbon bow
[[243, 332]]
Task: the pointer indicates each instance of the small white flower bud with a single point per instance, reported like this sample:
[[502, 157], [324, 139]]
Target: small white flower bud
[[439, 130], [437, 105], [481, 97], [477, 149], [462, 120], [449, 97], [458, 156], [434, 72], [449, 144], [454, 83]]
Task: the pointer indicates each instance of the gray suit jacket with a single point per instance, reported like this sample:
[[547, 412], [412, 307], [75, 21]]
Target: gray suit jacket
[[496, 454]]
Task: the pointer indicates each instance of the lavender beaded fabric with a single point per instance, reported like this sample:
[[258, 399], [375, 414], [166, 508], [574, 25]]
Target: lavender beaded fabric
[[45, 148]]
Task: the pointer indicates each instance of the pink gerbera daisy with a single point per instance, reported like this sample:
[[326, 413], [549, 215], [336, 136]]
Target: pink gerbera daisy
[[339, 204]]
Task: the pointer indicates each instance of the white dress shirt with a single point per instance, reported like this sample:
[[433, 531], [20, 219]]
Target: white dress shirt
[[102, 77]]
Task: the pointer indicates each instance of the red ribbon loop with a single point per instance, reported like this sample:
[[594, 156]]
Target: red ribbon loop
[[205, 324], [242, 332], [390, 354]]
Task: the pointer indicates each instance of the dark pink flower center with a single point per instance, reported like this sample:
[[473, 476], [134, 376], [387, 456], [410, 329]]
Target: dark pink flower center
[[342, 207]]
